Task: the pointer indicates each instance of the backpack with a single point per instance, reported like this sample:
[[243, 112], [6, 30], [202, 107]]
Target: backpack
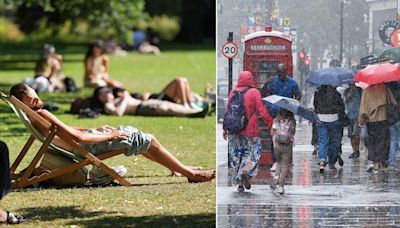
[[284, 132], [235, 117], [70, 85]]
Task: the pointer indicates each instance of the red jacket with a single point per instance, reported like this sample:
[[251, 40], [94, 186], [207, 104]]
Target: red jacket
[[253, 105]]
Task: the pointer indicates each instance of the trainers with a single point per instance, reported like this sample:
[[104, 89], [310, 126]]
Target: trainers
[[273, 183], [314, 152], [281, 190], [240, 188], [355, 154], [273, 168], [332, 167], [340, 161], [370, 167]]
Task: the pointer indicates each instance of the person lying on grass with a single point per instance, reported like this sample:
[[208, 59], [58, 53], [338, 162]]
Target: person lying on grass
[[106, 138], [104, 101]]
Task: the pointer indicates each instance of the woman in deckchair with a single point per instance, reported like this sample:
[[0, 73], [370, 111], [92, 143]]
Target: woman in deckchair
[[106, 138]]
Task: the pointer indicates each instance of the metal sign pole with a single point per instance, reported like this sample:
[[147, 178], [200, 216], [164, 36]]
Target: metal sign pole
[[230, 39]]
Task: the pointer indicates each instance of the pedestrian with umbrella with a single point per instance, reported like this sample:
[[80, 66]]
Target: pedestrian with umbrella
[[352, 100], [282, 132], [281, 85], [329, 107], [376, 109]]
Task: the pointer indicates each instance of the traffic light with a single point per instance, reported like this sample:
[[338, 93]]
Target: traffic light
[[307, 63], [301, 62]]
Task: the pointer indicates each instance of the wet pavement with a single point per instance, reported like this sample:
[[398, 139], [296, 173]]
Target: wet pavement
[[349, 197]]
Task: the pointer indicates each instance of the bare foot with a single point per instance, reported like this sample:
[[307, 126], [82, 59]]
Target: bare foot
[[178, 174], [202, 176]]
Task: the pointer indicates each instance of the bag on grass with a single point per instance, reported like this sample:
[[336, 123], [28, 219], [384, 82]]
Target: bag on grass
[[52, 161], [235, 116], [70, 85]]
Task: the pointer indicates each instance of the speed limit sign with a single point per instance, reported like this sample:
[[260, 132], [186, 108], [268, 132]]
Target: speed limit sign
[[229, 50]]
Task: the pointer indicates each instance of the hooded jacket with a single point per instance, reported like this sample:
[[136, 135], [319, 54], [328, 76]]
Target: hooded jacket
[[253, 105]]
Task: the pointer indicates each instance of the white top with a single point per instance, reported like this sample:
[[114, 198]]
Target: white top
[[323, 117]]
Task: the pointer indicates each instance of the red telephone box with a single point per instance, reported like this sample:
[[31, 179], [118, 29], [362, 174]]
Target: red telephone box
[[264, 50]]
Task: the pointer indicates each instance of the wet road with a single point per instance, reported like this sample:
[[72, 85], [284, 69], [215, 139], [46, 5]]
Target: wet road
[[350, 197]]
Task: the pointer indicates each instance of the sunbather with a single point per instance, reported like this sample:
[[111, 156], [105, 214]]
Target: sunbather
[[177, 91], [96, 67], [104, 101], [48, 72], [106, 138]]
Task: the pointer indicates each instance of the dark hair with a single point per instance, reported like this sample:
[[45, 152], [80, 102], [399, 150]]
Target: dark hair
[[284, 114], [95, 102], [115, 91], [19, 90], [92, 45]]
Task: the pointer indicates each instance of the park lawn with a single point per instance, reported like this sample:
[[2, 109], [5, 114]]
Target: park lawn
[[156, 199]]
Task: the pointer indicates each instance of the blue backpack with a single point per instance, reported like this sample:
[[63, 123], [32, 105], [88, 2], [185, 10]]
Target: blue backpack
[[235, 117]]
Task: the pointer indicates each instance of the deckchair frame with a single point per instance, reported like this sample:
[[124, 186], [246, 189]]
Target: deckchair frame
[[26, 178]]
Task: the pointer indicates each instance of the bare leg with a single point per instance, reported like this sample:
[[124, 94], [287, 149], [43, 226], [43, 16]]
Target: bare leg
[[113, 83], [173, 173], [176, 91], [3, 217], [355, 143], [161, 155], [186, 86]]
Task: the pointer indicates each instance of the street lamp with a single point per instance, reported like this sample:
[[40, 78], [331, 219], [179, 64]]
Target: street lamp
[[341, 31]]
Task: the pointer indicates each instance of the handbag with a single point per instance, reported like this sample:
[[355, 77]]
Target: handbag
[[392, 111]]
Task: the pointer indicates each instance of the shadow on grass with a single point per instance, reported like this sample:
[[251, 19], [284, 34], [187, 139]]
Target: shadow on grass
[[51, 213], [196, 220], [187, 47], [48, 185], [20, 64]]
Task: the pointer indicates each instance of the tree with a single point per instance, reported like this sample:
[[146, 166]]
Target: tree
[[113, 17], [317, 23]]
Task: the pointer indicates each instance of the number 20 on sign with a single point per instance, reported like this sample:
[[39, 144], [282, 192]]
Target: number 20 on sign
[[229, 50]]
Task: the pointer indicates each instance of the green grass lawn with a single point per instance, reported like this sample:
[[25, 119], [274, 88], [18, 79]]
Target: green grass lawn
[[156, 198]]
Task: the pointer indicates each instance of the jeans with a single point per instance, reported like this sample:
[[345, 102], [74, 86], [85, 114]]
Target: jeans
[[329, 136], [394, 142], [364, 135]]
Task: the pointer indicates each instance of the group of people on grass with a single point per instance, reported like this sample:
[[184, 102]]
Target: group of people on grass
[[364, 112], [176, 99]]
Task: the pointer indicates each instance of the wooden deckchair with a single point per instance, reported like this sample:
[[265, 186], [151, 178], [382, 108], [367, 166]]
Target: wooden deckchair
[[81, 156]]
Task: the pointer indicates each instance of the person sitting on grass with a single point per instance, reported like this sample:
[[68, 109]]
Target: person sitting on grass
[[104, 101], [48, 72], [103, 139], [96, 67]]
